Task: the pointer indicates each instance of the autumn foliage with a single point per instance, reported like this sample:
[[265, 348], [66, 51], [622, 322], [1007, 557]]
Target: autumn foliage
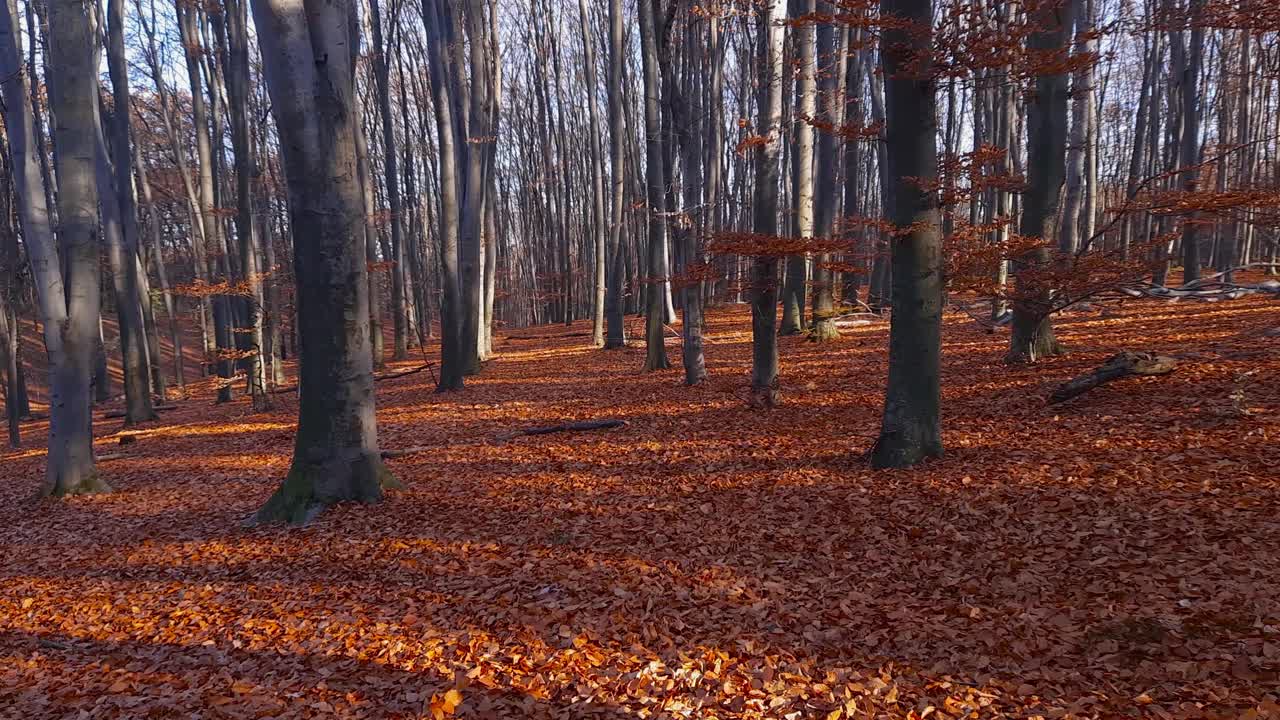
[[1116, 556]]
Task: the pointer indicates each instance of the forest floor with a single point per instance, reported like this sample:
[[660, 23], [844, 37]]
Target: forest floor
[[1114, 556]]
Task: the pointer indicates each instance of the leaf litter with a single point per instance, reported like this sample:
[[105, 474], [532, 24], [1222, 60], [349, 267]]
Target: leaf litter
[[1115, 556]]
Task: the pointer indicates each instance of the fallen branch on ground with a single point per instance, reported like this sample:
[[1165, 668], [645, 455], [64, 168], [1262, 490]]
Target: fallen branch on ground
[[547, 430], [548, 337], [376, 378], [122, 413], [402, 373], [1117, 366], [566, 427]]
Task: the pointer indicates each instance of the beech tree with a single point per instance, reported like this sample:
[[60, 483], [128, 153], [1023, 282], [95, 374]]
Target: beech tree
[[310, 74], [65, 269], [911, 428], [765, 206]]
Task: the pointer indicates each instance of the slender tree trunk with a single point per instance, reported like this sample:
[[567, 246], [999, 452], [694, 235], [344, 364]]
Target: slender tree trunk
[[655, 342], [381, 76], [1032, 337], [123, 254], [829, 111], [212, 237], [1069, 237], [615, 321], [1189, 149], [599, 231], [793, 295], [765, 206], [370, 245], [452, 365], [234, 22]]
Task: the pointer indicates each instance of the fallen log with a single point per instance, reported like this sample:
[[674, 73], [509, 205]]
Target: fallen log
[[548, 337], [376, 378], [402, 373], [565, 427], [1117, 366], [110, 414], [547, 430], [406, 451]]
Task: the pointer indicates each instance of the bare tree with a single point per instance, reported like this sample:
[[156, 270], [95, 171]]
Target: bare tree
[[309, 65], [69, 304], [765, 205], [911, 428]]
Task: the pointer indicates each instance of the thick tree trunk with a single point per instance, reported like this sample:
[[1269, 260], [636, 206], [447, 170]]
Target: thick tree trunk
[[70, 305], [309, 63], [765, 206], [911, 428]]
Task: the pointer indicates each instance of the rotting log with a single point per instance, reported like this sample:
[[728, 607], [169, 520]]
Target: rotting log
[[1117, 366]]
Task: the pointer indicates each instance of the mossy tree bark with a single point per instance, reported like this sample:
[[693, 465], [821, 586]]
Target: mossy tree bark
[[911, 427], [309, 63]]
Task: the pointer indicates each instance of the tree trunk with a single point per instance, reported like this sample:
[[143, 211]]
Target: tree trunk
[[764, 269], [69, 306], [236, 61], [391, 173], [1032, 337], [598, 229], [793, 295], [1189, 149], [655, 342], [309, 64], [122, 235], [615, 321], [911, 428], [452, 363], [831, 65]]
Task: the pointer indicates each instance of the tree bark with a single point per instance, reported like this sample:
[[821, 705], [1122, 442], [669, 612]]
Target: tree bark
[[911, 427], [309, 64], [831, 67], [122, 249], [69, 306], [655, 339], [1032, 337], [615, 322], [793, 288], [764, 268]]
